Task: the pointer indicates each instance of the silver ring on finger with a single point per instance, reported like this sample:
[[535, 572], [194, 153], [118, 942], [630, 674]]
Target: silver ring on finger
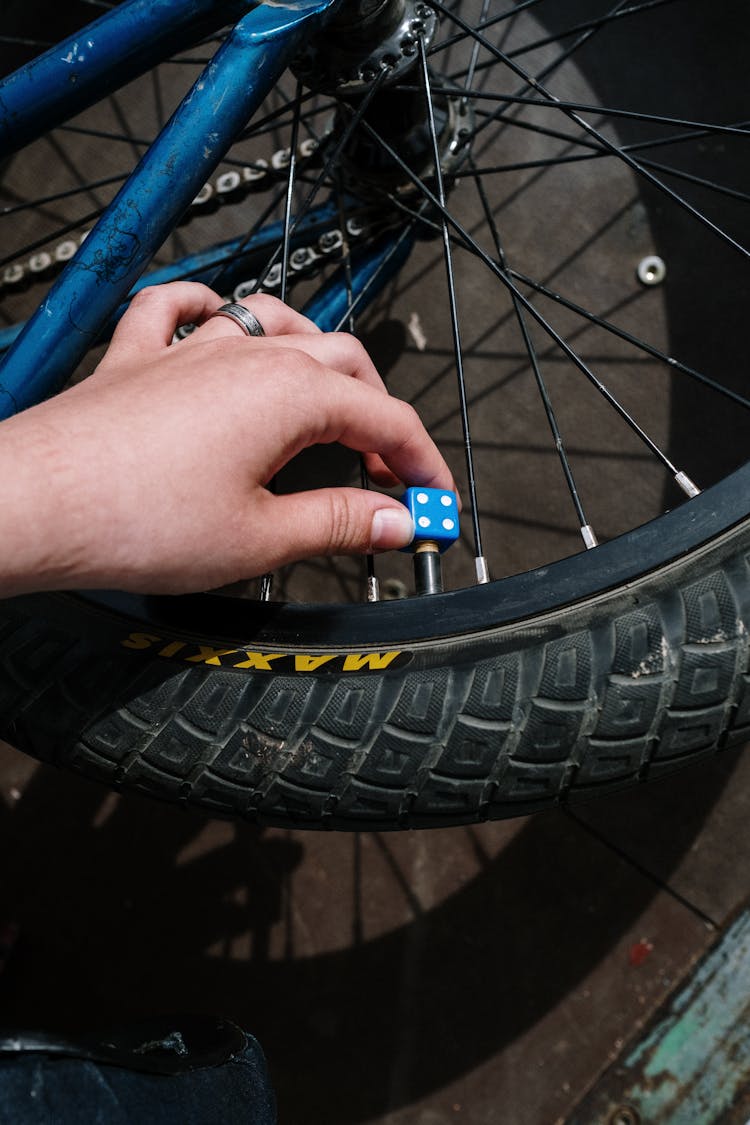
[[247, 321]]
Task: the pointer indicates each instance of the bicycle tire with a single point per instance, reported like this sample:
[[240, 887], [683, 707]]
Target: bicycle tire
[[484, 706], [557, 707]]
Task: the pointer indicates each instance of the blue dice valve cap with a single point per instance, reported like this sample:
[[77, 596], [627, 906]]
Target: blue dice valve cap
[[435, 515]]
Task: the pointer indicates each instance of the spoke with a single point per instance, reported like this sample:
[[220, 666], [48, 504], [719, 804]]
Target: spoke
[[190, 61], [586, 530], [460, 36], [574, 47], [325, 171], [295, 106], [21, 41], [596, 151], [480, 561], [30, 247], [266, 124], [681, 478], [289, 197], [65, 160], [642, 345], [270, 120], [215, 281], [614, 149], [475, 51], [576, 158], [266, 582], [635, 146], [107, 135], [548, 69], [689, 178], [158, 97], [348, 317], [552, 66], [127, 132], [696, 128], [372, 584], [46, 199], [224, 261], [405, 232], [589, 25]]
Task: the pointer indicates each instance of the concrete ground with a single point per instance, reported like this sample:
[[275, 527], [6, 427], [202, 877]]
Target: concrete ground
[[481, 975]]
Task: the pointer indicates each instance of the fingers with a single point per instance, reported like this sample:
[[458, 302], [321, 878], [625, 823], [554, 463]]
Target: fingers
[[156, 312], [324, 407], [336, 350], [378, 472], [154, 315], [336, 521], [276, 318]]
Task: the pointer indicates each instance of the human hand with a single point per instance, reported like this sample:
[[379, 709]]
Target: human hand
[[151, 475]]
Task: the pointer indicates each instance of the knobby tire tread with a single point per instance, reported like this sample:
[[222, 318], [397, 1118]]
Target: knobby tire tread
[[586, 701]]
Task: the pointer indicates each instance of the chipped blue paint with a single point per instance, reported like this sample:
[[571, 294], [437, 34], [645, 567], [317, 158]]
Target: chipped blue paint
[[691, 1067], [117, 251], [114, 49], [236, 256], [371, 269]]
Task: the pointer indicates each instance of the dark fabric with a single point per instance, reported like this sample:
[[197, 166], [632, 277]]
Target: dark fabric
[[41, 1090]]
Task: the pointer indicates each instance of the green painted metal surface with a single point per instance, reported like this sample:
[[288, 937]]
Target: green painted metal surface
[[692, 1065]]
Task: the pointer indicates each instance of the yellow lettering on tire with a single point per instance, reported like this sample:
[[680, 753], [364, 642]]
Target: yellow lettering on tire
[[141, 640], [310, 663], [261, 661], [373, 661]]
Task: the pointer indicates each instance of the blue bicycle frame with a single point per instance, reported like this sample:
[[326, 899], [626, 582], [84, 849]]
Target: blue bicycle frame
[[93, 289]]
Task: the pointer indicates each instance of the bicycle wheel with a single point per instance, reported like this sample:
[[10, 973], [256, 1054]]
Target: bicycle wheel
[[566, 678]]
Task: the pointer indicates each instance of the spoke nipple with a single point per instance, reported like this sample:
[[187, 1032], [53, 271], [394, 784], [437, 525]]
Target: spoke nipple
[[373, 589], [589, 536], [651, 270], [687, 486], [483, 571]]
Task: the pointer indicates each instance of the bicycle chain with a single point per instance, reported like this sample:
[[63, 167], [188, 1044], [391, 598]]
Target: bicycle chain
[[230, 187]]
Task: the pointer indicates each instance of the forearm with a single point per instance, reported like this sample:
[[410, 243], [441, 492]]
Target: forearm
[[39, 518]]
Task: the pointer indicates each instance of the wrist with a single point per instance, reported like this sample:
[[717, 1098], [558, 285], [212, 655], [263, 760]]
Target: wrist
[[39, 526]]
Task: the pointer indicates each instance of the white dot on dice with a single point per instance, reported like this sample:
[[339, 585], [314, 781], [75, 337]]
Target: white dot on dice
[[446, 501], [422, 497], [423, 521], [448, 525]]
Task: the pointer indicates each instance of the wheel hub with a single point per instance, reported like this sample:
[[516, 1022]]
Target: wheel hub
[[400, 119], [371, 40], [361, 40]]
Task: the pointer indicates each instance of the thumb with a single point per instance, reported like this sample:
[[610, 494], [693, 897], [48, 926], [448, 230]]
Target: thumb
[[338, 521]]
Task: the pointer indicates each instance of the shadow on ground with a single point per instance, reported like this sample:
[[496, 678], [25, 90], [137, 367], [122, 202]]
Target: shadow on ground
[[115, 922]]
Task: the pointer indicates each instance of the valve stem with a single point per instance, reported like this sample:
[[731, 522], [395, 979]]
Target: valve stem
[[428, 577]]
